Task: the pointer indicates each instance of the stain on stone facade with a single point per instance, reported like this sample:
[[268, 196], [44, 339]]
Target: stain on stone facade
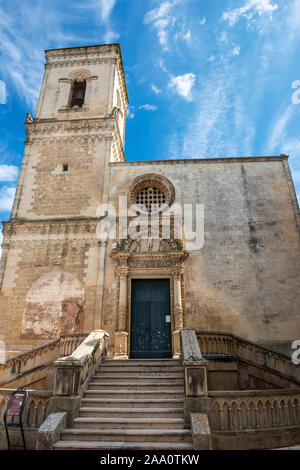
[[53, 307]]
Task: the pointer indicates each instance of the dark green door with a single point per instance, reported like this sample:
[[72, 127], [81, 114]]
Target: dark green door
[[150, 335]]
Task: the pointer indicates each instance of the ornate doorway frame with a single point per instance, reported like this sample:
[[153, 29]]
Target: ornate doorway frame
[[167, 264]]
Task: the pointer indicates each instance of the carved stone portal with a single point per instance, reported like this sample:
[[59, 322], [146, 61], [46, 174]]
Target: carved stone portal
[[148, 258]]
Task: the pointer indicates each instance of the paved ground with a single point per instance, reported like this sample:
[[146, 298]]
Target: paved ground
[[288, 448]]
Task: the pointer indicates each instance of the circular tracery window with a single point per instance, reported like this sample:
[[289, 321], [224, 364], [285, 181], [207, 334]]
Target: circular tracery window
[[151, 192]]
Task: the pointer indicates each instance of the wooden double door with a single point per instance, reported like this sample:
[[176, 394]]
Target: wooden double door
[[150, 329]]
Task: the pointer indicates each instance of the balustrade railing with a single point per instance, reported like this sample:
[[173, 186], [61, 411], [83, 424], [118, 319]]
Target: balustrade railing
[[49, 352], [254, 410], [227, 344]]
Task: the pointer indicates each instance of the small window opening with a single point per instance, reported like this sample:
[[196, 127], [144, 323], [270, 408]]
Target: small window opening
[[78, 93], [65, 167]]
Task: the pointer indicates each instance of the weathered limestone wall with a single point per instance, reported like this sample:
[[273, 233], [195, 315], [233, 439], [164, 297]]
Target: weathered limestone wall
[[48, 191], [245, 279], [48, 287]]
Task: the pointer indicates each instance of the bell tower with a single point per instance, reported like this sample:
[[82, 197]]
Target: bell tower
[[77, 130]]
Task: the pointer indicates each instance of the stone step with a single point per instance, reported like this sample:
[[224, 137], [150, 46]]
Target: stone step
[[134, 385], [127, 435], [141, 362], [139, 378], [112, 445], [139, 373], [134, 394], [133, 368], [133, 403], [130, 412], [128, 423]]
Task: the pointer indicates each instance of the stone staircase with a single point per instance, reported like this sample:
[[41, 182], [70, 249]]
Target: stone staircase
[[131, 404]]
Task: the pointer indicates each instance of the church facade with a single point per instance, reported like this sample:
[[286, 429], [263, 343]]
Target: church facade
[[59, 275]]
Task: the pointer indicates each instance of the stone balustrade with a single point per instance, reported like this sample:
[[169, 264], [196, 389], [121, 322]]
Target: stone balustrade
[[72, 372], [237, 411], [39, 356], [227, 344]]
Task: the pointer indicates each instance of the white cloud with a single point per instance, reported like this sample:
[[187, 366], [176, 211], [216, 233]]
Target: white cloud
[[155, 89], [159, 12], [188, 37], [110, 37], [8, 173], [2, 92], [148, 107], [296, 176], [203, 21], [223, 38], [130, 112], [236, 50], [162, 21], [249, 10], [7, 194], [278, 133], [106, 7], [182, 85]]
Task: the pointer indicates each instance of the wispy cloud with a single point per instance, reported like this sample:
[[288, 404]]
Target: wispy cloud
[[7, 194], [236, 50], [106, 7], [182, 85], [130, 112], [251, 9], [148, 107], [162, 19], [156, 90], [2, 92], [8, 173]]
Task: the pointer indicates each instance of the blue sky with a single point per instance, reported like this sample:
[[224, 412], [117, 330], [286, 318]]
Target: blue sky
[[213, 78]]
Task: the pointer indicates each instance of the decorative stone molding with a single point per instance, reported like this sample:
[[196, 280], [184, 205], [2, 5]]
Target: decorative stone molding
[[37, 128], [149, 180], [84, 51], [48, 228], [81, 74]]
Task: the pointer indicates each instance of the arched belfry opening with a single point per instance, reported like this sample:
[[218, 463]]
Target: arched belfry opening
[[78, 93]]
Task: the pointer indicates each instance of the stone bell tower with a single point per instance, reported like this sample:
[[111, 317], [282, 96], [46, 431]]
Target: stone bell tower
[[50, 240]]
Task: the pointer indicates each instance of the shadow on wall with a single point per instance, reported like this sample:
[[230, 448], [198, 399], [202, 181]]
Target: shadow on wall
[[54, 306]]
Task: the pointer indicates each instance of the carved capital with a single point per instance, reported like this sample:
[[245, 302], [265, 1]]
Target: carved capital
[[177, 272], [122, 272]]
